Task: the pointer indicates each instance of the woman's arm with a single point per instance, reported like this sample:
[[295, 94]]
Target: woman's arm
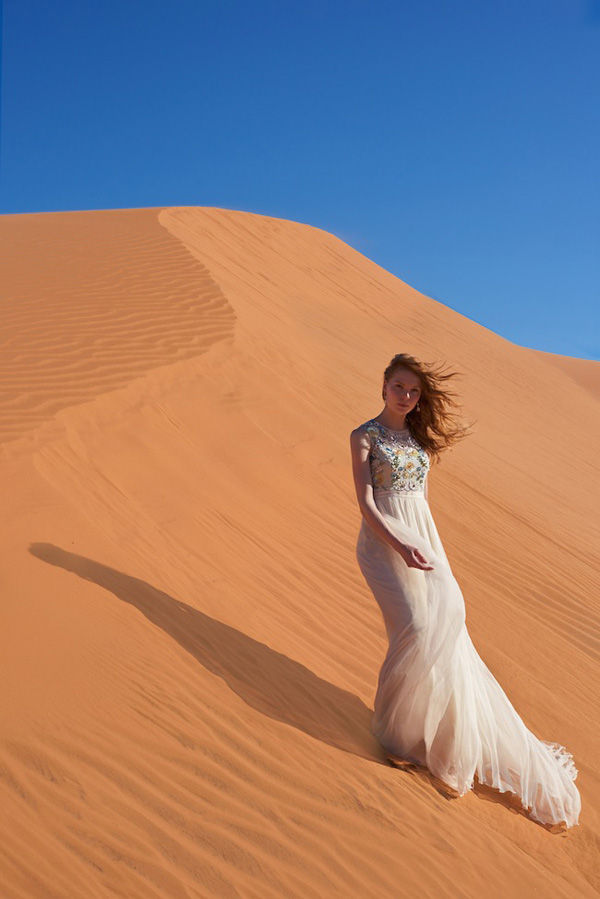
[[412, 555], [361, 469]]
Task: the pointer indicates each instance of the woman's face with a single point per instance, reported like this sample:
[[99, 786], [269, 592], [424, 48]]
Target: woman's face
[[402, 391]]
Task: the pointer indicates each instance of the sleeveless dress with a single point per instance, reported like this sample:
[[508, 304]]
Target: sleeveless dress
[[437, 704]]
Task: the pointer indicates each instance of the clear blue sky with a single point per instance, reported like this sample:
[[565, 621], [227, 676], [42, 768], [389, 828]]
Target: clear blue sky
[[456, 143]]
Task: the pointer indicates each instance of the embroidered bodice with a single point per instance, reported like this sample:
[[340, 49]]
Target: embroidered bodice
[[397, 461]]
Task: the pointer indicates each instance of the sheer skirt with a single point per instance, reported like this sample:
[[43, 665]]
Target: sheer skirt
[[437, 704]]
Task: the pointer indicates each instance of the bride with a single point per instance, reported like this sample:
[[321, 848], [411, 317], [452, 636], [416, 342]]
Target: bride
[[437, 704]]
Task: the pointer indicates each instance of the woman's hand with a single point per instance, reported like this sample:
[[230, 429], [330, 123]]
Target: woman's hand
[[414, 558]]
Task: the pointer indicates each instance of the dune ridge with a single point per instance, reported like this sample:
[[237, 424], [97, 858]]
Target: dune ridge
[[191, 654], [110, 312]]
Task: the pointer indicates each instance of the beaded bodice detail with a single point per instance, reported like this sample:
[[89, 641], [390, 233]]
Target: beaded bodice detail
[[397, 461]]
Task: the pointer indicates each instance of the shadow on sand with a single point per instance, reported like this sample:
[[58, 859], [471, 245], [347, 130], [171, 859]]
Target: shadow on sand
[[265, 679]]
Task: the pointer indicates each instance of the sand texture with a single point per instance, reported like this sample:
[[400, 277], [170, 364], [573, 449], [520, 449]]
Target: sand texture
[[189, 650]]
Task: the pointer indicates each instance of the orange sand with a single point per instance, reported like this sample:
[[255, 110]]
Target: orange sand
[[183, 713]]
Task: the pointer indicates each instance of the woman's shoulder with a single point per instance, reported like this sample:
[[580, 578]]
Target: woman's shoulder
[[362, 433], [364, 427]]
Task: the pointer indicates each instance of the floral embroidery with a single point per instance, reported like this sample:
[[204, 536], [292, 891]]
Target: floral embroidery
[[397, 461]]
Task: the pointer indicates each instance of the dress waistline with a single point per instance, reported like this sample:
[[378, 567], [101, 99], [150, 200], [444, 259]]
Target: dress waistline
[[380, 491]]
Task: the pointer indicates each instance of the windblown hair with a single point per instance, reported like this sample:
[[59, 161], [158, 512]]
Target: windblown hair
[[435, 426]]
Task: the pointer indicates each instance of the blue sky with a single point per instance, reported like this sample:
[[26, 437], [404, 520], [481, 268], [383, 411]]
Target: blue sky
[[454, 143]]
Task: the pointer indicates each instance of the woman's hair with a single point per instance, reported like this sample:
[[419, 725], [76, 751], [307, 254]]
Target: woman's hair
[[435, 426]]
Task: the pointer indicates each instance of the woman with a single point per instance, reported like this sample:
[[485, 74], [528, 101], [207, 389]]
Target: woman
[[437, 704]]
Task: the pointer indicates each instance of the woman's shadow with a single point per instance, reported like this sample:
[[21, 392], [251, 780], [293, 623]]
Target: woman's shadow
[[265, 679]]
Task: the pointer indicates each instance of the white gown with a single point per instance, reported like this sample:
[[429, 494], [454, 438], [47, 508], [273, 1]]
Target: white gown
[[437, 704]]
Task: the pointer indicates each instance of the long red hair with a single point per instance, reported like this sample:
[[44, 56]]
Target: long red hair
[[437, 424]]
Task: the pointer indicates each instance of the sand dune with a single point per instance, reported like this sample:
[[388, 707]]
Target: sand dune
[[190, 653]]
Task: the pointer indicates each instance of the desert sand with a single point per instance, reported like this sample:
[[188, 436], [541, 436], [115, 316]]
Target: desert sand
[[190, 653]]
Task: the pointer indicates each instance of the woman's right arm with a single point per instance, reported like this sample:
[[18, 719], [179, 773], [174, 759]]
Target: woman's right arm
[[361, 470]]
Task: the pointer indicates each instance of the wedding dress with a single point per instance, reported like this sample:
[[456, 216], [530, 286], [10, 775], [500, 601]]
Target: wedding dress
[[437, 704]]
